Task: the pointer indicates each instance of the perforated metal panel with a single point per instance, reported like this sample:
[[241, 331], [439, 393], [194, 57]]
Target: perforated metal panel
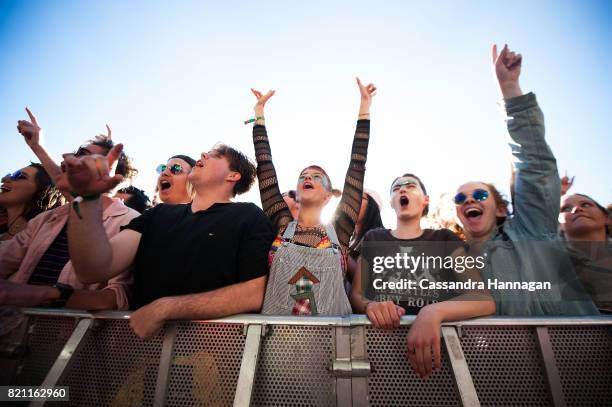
[[48, 337], [205, 364], [506, 365], [114, 367], [584, 360], [293, 367], [393, 382]]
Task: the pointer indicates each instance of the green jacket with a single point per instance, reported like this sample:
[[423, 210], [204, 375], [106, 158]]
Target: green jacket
[[526, 248]]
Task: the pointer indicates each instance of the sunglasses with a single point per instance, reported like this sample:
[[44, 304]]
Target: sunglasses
[[82, 151], [174, 169], [17, 175], [478, 195]]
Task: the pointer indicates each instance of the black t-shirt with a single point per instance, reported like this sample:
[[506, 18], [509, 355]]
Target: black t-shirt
[[182, 252], [430, 250]]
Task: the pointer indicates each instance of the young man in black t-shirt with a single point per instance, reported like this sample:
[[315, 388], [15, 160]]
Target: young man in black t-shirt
[[391, 256], [206, 259]]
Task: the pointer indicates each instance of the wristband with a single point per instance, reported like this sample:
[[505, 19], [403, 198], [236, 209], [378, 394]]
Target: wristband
[[66, 292], [252, 119], [78, 199]]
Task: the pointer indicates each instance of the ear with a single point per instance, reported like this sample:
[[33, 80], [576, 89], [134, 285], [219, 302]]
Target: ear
[[425, 201], [233, 176], [501, 211], [328, 197]]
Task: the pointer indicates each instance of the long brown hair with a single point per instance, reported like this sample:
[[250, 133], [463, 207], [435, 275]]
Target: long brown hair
[[500, 201]]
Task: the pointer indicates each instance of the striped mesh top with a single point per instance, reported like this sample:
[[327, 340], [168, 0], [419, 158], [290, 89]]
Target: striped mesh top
[[346, 214]]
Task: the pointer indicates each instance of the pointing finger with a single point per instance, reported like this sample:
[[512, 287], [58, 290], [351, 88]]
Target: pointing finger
[[114, 154], [32, 117], [108, 132]]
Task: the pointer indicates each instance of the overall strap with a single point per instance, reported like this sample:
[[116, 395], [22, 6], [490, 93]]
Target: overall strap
[[290, 231], [331, 233]]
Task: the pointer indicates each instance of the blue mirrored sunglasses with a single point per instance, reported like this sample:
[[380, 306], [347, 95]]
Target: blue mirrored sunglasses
[[175, 168], [478, 195], [17, 175]]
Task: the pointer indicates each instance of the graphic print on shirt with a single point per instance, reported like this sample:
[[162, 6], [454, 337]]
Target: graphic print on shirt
[[303, 282]]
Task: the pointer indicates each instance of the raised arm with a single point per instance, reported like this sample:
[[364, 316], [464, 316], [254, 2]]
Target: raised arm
[[94, 257], [348, 208], [272, 200], [537, 184], [32, 134]]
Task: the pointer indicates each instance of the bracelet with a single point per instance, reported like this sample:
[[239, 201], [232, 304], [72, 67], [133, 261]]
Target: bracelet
[[364, 115], [78, 199], [66, 292], [253, 119]]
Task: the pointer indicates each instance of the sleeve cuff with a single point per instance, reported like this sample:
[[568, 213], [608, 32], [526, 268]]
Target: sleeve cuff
[[520, 103], [363, 123]]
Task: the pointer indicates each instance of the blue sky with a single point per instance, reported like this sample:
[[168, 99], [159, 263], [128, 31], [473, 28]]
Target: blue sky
[[174, 78]]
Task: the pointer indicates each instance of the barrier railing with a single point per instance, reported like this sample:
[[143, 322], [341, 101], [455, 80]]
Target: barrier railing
[[262, 360]]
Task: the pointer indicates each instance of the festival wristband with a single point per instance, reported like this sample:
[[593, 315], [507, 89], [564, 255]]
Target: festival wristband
[[252, 119], [78, 199]]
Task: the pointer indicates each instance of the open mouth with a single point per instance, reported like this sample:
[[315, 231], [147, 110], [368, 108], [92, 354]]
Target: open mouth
[[404, 201], [472, 213], [200, 164], [163, 185], [308, 185], [5, 189]]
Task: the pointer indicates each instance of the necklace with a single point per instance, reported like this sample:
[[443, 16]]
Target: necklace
[[8, 230]]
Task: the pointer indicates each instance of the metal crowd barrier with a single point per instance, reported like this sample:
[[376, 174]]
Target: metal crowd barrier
[[295, 361]]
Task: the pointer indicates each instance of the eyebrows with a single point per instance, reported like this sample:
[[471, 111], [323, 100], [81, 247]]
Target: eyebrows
[[567, 204], [312, 174], [408, 181]]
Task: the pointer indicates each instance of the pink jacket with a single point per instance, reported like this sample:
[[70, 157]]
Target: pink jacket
[[20, 255]]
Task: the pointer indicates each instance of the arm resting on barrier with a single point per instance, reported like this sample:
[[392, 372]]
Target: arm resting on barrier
[[234, 299], [385, 315], [29, 295], [424, 334]]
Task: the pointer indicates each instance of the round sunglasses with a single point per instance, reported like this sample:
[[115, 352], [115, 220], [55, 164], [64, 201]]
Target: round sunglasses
[[478, 195], [17, 175], [175, 168]]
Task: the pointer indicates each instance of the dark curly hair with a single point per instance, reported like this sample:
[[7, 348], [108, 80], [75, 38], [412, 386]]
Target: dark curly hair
[[139, 201], [125, 165], [46, 195]]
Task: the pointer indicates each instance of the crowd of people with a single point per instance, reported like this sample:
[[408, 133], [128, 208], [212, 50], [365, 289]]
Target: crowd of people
[[74, 235]]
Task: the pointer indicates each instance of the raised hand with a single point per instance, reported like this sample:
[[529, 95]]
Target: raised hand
[[261, 100], [30, 130], [91, 174], [367, 93], [507, 67], [566, 183]]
